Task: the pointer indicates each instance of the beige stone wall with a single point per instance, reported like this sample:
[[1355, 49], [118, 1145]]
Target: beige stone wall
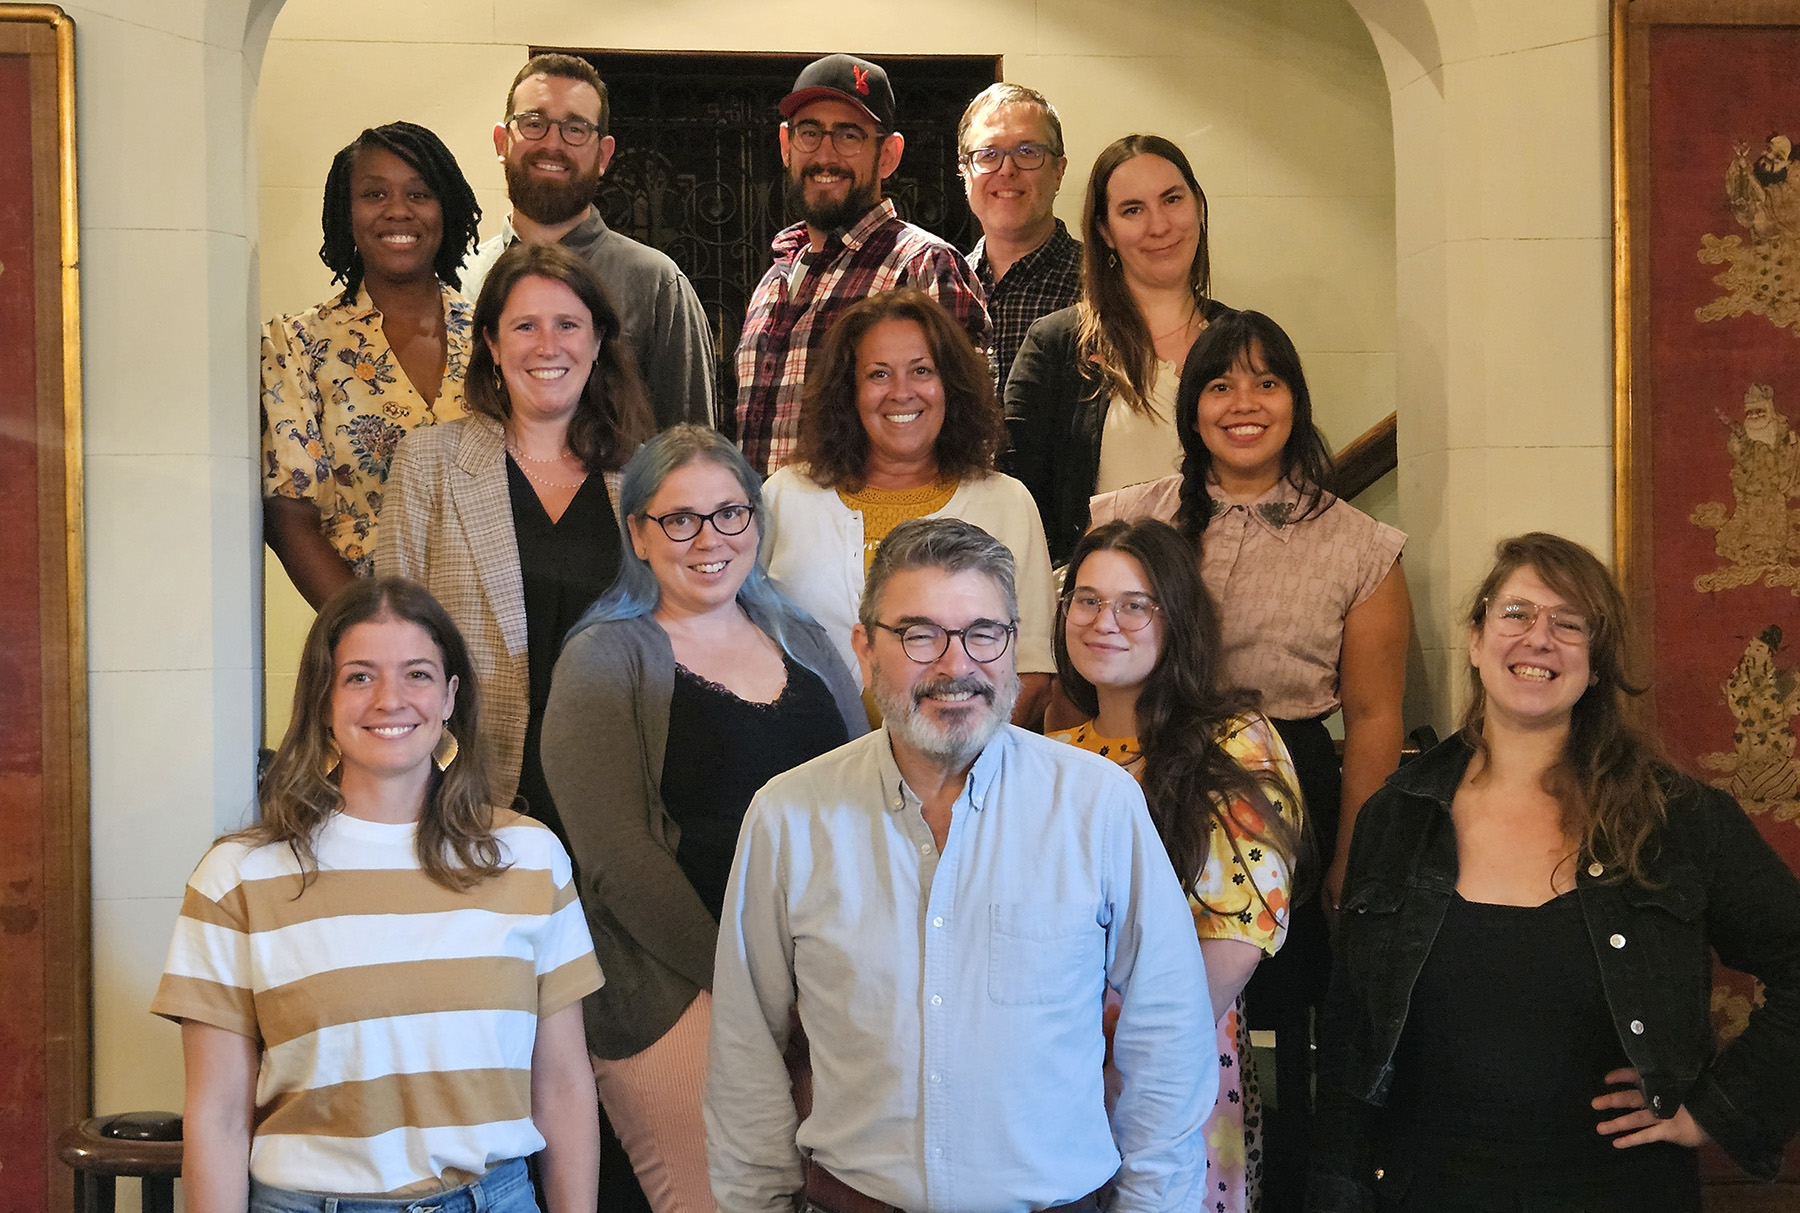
[[1281, 105]]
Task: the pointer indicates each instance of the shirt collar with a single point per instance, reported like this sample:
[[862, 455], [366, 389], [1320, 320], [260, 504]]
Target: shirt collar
[[583, 234], [896, 796], [359, 306], [1053, 243], [1275, 511]]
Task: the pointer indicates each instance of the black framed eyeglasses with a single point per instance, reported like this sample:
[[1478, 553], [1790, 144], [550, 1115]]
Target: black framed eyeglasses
[[534, 126], [1025, 157], [682, 525], [848, 138], [1132, 612], [984, 641]]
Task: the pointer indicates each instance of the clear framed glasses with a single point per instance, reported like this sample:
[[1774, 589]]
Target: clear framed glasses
[[534, 126], [1132, 612], [1517, 616], [848, 138], [1025, 157], [683, 525], [984, 640]]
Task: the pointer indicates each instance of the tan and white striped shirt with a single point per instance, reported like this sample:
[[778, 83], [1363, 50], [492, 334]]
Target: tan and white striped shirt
[[396, 1017]]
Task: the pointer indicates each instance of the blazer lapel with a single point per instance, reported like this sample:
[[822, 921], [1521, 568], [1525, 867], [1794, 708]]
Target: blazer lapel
[[484, 509]]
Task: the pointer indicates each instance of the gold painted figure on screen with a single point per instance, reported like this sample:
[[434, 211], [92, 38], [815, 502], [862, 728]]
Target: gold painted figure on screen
[[1763, 276], [1759, 536], [1764, 697]]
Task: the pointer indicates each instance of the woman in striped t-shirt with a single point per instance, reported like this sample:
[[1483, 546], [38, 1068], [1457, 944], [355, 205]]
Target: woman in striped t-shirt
[[380, 983]]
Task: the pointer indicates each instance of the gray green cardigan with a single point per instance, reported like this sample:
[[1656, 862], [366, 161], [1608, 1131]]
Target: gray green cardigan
[[602, 747]]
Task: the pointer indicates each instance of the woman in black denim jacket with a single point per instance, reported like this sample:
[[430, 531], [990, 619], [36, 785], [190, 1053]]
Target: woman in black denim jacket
[[1519, 1018]]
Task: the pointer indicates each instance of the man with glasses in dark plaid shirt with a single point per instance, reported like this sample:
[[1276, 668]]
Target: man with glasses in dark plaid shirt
[[839, 145], [1010, 148]]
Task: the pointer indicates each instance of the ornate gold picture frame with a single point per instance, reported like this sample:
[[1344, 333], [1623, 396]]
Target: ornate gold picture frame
[[45, 951]]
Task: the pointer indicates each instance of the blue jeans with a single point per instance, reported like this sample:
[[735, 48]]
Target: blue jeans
[[504, 1189]]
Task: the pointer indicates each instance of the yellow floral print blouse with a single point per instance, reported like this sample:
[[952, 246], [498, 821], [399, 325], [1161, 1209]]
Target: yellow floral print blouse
[[335, 404]]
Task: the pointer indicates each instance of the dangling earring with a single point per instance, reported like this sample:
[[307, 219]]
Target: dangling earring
[[1112, 258], [333, 755], [446, 750]]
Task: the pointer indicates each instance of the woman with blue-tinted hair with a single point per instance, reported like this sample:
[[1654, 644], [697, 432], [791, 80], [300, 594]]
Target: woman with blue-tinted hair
[[687, 686]]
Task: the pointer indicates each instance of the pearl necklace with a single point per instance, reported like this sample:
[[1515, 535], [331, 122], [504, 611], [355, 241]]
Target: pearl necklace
[[522, 459]]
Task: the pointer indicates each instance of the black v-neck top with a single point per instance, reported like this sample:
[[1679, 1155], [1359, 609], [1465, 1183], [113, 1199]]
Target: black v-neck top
[[564, 566]]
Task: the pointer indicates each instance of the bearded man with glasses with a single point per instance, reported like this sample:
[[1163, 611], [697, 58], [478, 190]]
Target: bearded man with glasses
[[1009, 145], [939, 908], [839, 144], [553, 139]]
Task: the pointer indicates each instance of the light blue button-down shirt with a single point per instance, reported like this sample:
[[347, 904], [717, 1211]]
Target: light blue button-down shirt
[[952, 1002]]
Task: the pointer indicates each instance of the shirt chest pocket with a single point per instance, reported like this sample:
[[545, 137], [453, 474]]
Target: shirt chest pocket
[[1042, 954]]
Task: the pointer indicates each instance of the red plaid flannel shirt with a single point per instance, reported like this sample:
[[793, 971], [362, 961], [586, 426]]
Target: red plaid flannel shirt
[[880, 253]]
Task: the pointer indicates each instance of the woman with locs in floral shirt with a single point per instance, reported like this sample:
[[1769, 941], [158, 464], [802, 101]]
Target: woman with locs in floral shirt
[[344, 381]]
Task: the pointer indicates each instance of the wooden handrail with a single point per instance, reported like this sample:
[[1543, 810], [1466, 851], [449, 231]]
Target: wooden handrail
[[1368, 458]]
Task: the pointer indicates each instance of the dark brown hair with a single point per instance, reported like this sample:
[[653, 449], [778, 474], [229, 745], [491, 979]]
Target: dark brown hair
[[1112, 333], [833, 445], [565, 67], [455, 840], [1189, 781], [1609, 781], [612, 418], [1232, 339]]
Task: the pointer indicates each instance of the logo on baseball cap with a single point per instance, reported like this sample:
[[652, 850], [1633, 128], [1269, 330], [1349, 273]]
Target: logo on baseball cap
[[844, 78]]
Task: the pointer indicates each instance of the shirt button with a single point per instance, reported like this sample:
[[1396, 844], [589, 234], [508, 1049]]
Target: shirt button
[[937, 1000], [1379, 1173], [937, 1151], [1637, 1027], [937, 1078], [938, 921], [1656, 1102], [1596, 869], [1617, 941], [924, 848]]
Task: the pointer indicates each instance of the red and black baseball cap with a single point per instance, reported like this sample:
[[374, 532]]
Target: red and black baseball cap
[[844, 78]]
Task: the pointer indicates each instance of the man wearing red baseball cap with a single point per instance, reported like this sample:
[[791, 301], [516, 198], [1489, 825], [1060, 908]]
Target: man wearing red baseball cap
[[839, 144]]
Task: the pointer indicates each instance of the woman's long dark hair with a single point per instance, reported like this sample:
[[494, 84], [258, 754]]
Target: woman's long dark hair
[[443, 177], [1249, 339], [1610, 780], [1112, 334], [612, 418], [455, 840], [1192, 785]]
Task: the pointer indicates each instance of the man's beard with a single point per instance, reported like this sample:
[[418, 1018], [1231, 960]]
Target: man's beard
[[948, 745], [547, 201], [829, 216]]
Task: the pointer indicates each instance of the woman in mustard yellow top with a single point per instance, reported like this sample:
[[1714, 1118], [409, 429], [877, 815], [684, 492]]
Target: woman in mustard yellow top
[[899, 421], [1137, 650]]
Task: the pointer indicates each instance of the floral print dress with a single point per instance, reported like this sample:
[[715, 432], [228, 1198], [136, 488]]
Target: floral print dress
[[1241, 893], [335, 404]]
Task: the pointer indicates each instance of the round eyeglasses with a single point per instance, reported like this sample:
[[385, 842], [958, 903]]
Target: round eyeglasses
[[984, 640], [848, 138], [534, 126], [1025, 157], [682, 525], [1517, 616], [1132, 612]]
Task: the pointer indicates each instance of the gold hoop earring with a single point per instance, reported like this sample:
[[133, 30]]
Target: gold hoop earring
[[446, 750]]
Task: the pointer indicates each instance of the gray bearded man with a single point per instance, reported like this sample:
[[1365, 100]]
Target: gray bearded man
[[941, 906]]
